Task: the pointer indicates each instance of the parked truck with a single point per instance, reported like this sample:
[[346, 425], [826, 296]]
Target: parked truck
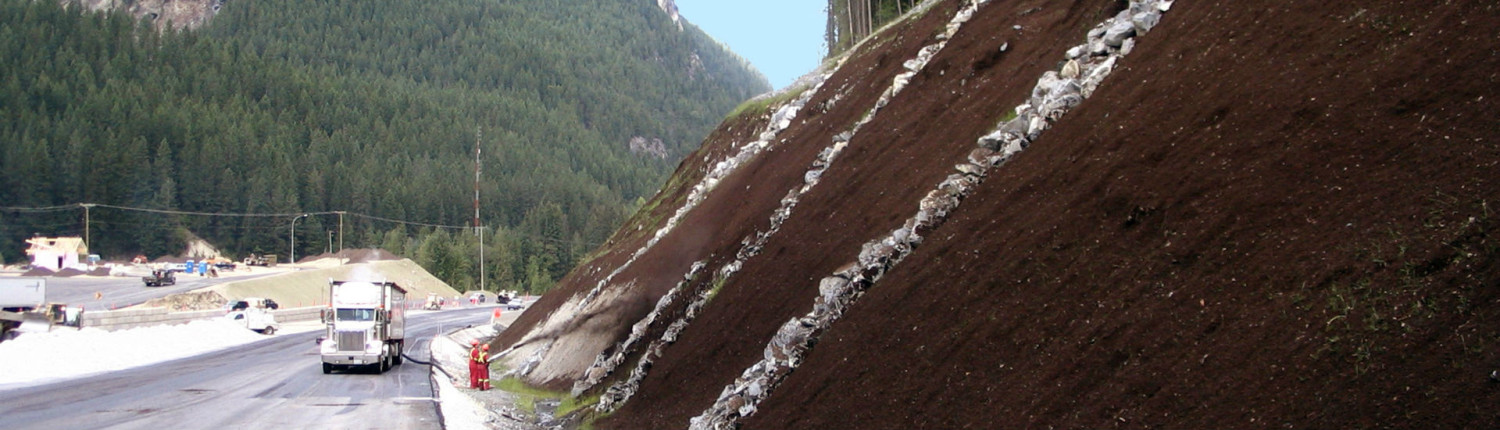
[[160, 277], [366, 325], [268, 260], [255, 314]]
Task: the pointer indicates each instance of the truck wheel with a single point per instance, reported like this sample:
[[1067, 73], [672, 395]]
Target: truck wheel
[[270, 330], [400, 349], [327, 368]]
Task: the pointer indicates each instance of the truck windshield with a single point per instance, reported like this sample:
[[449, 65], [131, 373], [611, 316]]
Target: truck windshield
[[356, 315]]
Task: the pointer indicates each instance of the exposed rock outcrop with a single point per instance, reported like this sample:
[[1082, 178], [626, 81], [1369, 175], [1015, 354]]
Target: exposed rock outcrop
[[670, 7], [651, 147], [174, 14]]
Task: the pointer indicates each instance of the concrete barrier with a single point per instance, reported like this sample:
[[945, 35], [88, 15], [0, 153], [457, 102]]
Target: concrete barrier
[[309, 313], [146, 317]]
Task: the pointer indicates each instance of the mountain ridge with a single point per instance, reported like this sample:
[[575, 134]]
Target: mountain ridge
[[366, 107]]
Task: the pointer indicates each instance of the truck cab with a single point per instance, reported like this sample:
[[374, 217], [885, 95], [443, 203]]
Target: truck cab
[[365, 326]]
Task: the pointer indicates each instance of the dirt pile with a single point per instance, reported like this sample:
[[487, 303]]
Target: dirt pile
[[1270, 214], [193, 301], [38, 271]]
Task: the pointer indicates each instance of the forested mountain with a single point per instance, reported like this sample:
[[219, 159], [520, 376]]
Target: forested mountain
[[372, 107]]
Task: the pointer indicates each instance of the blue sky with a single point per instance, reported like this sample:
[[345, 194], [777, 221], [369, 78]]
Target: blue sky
[[782, 38]]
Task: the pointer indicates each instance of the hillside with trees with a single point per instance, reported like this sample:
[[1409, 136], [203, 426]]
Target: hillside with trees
[[371, 108]]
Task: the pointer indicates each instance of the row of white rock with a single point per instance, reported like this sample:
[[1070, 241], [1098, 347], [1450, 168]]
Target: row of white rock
[[750, 246], [740, 398], [1055, 94], [608, 361], [620, 392], [779, 121]]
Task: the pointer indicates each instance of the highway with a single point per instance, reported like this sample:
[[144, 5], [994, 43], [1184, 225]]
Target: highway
[[119, 292], [270, 384]]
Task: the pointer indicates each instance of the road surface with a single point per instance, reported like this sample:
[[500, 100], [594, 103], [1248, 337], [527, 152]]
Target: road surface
[[119, 292], [271, 384]]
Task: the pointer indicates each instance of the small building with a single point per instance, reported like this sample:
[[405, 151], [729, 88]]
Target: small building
[[57, 253]]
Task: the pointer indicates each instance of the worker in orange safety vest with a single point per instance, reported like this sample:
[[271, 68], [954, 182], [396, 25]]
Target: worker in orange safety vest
[[484, 367], [474, 364]]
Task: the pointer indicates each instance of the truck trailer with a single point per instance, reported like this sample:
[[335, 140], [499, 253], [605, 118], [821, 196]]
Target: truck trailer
[[366, 325]]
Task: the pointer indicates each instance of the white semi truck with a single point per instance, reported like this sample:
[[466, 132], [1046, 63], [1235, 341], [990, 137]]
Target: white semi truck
[[366, 325]]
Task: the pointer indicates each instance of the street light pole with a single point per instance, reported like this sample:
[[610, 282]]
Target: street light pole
[[293, 259]]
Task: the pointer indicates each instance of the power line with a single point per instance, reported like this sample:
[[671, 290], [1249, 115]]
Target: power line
[[223, 214], [41, 209], [360, 215], [76, 206]]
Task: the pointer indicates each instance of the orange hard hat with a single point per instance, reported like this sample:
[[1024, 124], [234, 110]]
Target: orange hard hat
[[486, 347], [473, 342]]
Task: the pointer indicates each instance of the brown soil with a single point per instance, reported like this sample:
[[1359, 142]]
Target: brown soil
[[68, 273], [1272, 215], [38, 271]]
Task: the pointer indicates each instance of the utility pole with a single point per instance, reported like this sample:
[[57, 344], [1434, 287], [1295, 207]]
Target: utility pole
[[341, 231], [478, 164], [293, 259], [481, 259], [86, 207]]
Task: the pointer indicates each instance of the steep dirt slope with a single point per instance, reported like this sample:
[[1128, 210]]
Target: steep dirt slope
[[1276, 214], [906, 150], [1272, 214]]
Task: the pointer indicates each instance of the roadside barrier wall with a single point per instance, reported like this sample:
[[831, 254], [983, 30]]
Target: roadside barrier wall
[[134, 318]]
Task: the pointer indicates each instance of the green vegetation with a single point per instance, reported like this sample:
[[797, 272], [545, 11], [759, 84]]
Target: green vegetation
[[372, 107], [1408, 285], [527, 396], [574, 404], [715, 286], [764, 105]]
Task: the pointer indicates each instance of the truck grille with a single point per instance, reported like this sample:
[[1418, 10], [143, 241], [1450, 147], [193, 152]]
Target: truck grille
[[351, 340]]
